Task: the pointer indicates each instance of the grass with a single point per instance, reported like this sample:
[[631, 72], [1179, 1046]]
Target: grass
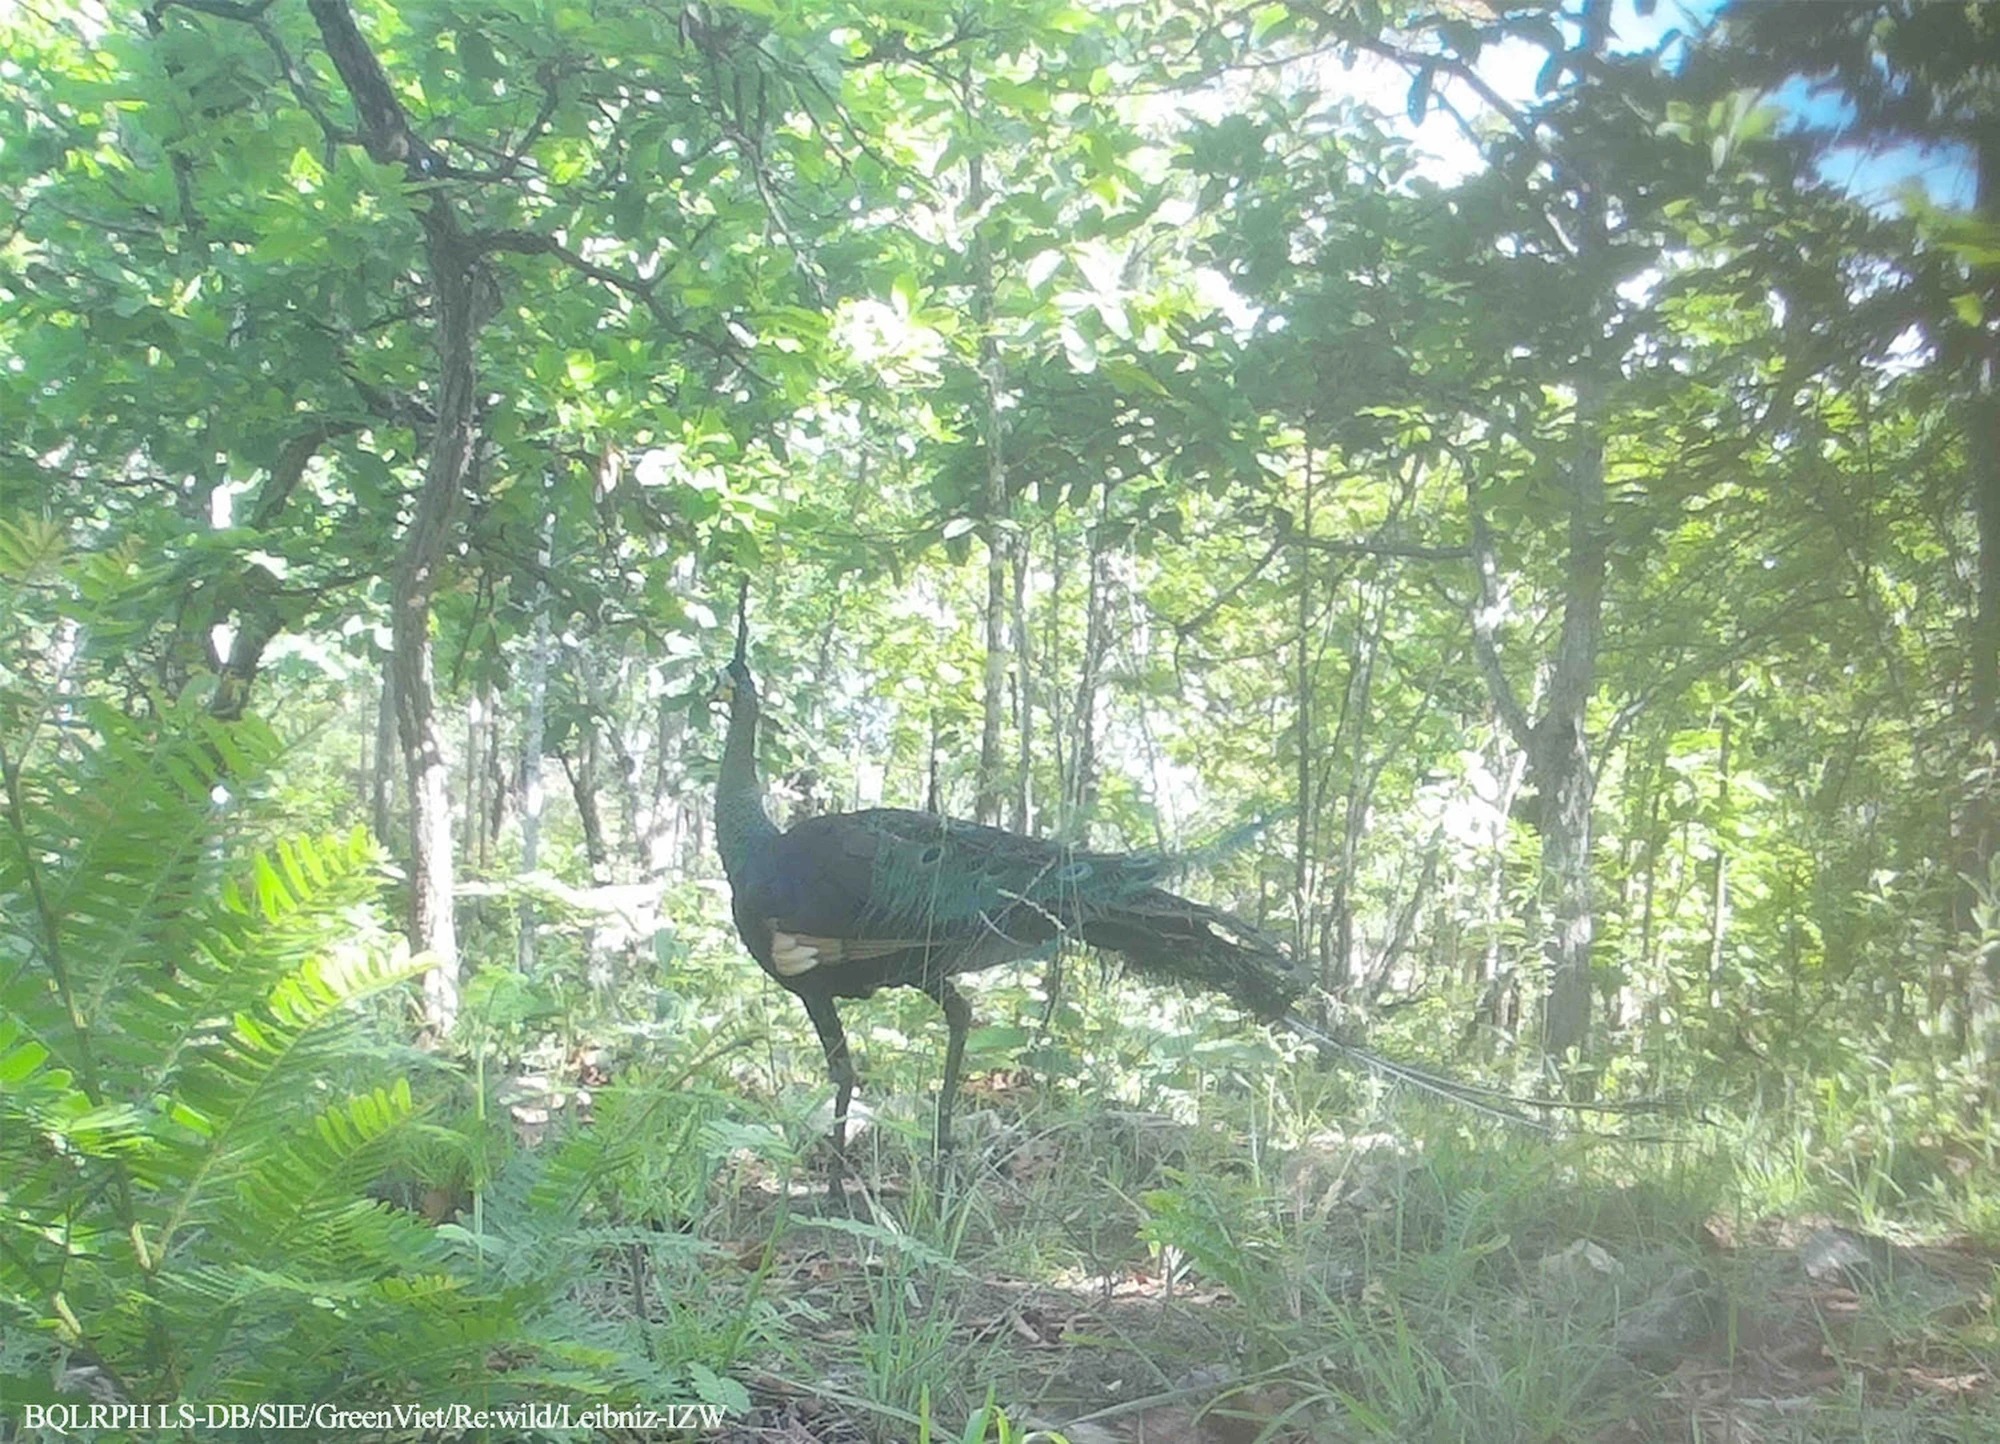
[[1223, 1242]]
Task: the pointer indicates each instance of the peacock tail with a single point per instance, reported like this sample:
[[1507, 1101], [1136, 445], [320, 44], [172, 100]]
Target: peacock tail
[[935, 878]]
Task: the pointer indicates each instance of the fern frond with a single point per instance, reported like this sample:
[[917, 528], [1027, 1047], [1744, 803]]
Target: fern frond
[[223, 1123], [298, 1184]]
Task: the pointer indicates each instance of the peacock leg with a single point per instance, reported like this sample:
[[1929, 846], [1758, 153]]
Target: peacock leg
[[839, 1067], [958, 1018]]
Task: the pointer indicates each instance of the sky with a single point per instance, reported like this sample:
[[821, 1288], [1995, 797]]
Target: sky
[[1880, 179]]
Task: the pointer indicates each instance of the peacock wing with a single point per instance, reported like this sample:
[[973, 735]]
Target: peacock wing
[[915, 894], [938, 875], [812, 895]]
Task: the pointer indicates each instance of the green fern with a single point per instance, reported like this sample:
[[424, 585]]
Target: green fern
[[201, 1088]]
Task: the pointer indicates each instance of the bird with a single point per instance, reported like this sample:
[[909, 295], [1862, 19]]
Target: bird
[[844, 904]]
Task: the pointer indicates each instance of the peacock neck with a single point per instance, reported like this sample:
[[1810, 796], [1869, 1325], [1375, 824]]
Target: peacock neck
[[740, 820]]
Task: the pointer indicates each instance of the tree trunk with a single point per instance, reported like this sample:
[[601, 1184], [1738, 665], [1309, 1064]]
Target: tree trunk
[[1718, 910], [1024, 696], [625, 765], [933, 787], [583, 788], [533, 730], [1083, 752], [382, 785], [491, 788], [473, 840], [1980, 811], [1364, 772], [460, 302], [669, 724], [433, 927], [988, 792], [1302, 743], [1560, 756], [1563, 775]]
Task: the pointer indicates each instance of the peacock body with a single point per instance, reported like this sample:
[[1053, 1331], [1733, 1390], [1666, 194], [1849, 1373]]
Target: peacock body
[[841, 905]]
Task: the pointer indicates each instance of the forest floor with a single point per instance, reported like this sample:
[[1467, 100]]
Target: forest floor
[[1123, 1277]]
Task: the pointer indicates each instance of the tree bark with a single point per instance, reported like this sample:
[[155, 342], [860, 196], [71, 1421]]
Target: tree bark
[[1557, 744], [433, 928], [625, 764], [494, 787], [1560, 754], [1364, 772]]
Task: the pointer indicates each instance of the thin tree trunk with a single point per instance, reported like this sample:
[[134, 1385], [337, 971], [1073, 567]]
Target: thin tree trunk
[[1052, 661], [582, 775], [1560, 756], [933, 798], [1364, 773], [1649, 890], [1302, 740], [382, 785], [461, 300], [669, 725], [988, 792], [1718, 911], [533, 730], [433, 927], [1024, 695], [472, 841], [492, 788], [1980, 1008], [627, 767], [1083, 753]]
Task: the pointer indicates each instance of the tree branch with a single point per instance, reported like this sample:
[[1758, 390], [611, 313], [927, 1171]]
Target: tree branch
[[301, 88], [386, 133]]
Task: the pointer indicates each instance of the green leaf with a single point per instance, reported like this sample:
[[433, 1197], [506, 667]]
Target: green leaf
[[475, 52]]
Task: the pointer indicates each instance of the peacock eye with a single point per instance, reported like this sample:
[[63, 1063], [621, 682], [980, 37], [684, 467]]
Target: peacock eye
[[931, 856], [1075, 872]]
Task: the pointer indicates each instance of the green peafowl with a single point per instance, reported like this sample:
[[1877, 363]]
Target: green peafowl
[[844, 904]]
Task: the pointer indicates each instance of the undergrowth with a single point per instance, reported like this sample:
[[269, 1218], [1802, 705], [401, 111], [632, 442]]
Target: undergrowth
[[225, 1178]]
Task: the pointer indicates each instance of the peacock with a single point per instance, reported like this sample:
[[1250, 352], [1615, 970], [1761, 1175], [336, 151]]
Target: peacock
[[843, 904]]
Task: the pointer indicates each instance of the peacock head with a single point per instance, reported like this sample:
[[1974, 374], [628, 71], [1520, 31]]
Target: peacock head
[[736, 680]]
